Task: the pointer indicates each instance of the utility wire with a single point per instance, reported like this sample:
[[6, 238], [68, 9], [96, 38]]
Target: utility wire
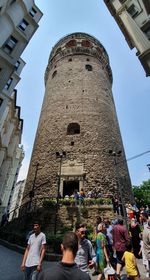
[[139, 155]]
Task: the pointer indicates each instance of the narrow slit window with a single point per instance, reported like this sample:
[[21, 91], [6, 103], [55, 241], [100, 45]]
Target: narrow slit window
[[54, 74]]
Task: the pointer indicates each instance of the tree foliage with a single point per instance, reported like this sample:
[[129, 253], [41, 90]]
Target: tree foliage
[[142, 194]]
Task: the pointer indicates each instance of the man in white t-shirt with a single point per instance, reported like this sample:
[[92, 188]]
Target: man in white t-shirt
[[34, 253]]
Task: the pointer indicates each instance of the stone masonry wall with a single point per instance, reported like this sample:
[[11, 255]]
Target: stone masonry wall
[[75, 94], [68, 217]]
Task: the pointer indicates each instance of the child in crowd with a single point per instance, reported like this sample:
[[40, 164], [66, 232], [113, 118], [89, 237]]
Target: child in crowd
[[141, 252], [130, 263]]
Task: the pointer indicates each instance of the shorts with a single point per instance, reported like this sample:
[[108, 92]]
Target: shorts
[[119, 255], [134, 277]]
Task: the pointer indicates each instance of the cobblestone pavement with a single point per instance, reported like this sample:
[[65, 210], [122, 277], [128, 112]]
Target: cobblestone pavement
[[10, 262]]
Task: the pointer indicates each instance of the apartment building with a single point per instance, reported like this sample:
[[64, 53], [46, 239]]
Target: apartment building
[[16, 199], [133, 18], [18, 22]]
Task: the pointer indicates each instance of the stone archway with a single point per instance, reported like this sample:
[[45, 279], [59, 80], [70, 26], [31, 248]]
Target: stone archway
[[72, 177]]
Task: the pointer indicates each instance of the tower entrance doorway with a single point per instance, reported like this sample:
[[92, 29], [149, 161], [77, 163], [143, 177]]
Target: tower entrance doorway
[[69, 187]]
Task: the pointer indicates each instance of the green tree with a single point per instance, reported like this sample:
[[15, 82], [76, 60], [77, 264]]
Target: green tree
[[142, 193]]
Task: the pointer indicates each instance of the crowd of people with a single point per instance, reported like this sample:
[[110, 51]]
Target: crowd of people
[[79, 196], [113, 247]]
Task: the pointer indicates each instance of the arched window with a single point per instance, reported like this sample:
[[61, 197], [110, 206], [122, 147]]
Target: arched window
[[88, 67], [71, 43], [86, 43], [54, 74], [73, 128]]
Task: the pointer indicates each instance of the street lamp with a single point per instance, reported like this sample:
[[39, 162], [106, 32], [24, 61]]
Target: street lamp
[[115, 155], [31, 193], [59, 155], [148, 165]]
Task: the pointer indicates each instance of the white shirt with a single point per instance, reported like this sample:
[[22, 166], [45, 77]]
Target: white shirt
[[109, 234], [145, 261], [35, 242]]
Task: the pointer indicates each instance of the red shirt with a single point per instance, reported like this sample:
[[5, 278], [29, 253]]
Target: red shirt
[[120, 237]]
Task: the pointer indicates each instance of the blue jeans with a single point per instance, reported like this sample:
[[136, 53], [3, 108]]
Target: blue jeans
[[31, 273]]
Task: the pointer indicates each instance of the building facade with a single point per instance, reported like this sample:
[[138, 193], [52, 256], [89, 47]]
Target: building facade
[[78, 139], [12, 178], [16, 199], [133, 18], [18, 22]]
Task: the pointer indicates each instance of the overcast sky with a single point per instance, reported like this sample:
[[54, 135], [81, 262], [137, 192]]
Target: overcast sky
[[131, 89]]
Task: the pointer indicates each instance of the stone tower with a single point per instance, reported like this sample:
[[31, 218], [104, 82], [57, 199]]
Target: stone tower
[[78, 118]]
